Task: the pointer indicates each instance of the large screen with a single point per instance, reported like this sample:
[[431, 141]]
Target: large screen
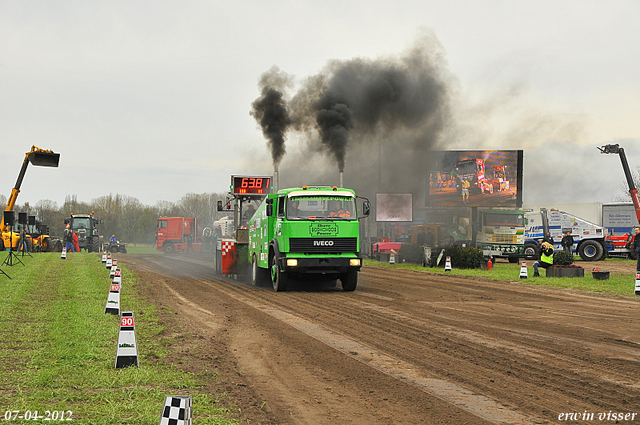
[[394, 207], [475, 179]]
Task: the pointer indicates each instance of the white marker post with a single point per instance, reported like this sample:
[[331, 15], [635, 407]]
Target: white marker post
[[523, 271], [127, 354], [109, 261], [176, 410], [63, 256], [117, 277], [113, 300], [637, 290], [104, 256], [447, 265]]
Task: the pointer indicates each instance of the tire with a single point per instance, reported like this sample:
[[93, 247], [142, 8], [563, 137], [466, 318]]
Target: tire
[[168, 248], [531, 251], [30, 245], [258, 274], [95, 244], [633, 255], [279, 279], [349, 281], [591, 250]]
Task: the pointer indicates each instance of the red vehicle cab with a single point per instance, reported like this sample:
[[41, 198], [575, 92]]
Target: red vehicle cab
[[176, 234]]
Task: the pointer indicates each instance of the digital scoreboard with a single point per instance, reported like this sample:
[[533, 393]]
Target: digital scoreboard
[[250, 185]]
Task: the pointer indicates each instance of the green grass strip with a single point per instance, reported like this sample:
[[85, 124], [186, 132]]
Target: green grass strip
[[618, 284], [57, 347]]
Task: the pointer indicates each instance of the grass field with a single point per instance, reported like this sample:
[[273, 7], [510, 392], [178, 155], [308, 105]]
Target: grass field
[[58, 348], [617, 284]]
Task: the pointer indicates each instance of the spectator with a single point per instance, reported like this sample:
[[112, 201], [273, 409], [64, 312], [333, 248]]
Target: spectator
[[68, 239], [635, 247], [546, 258], [76, 247], [567, 242], [547, 238]]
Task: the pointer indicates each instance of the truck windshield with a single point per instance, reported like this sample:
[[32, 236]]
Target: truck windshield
[[81, 223], [503, 220], [321, 208], [465, 167]]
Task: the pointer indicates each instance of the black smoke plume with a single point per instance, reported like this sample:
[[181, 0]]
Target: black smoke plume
[[270, 111], [401, 102]]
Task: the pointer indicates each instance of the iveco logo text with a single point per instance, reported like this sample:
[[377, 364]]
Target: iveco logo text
[[322, 243]]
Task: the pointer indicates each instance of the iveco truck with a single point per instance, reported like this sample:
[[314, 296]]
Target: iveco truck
[[309, 234]]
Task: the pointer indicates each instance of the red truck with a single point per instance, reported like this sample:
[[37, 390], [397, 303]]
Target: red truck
[[176, 234]]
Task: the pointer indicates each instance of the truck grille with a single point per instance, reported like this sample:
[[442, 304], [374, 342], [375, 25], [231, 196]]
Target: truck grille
[[323, 245]]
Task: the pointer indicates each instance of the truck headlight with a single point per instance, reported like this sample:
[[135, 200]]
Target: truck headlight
[[354, 262], [292, 262]]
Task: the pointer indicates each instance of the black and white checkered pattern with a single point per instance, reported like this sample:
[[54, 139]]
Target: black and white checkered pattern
[[176, 411]]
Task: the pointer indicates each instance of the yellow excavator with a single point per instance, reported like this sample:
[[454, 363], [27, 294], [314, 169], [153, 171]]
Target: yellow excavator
[[38, 157]]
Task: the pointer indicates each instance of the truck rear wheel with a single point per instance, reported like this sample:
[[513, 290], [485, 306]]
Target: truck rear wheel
[[591, 250], [349, 281], [279, 279], [258, 274]]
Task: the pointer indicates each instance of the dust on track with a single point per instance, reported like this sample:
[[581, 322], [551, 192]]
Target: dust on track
[[535, 351]]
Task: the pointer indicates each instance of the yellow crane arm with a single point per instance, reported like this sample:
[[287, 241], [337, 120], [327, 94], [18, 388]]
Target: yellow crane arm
[[37, 156]]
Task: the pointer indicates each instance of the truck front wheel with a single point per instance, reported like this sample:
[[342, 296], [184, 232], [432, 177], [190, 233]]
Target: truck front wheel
[[279, 279], [349, 280], [530, 251], [591, 251], [168, 248]]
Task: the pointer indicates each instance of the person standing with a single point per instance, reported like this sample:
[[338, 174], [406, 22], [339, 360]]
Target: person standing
[[567, 242], [76, 246], [190, 243], [546, 258], [635, 246], [548, 239], [68, 239]]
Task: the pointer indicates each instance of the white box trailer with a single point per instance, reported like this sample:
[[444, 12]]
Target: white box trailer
[[619, 217]]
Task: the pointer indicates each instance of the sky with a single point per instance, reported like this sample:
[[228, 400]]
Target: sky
[[152, 99]]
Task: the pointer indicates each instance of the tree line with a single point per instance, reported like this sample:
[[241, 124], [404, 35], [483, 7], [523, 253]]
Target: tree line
[[125, 216]]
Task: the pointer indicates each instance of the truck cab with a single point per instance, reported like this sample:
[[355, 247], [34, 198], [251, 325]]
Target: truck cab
[[308, 233]]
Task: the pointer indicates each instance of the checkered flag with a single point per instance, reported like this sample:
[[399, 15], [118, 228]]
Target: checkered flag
[[176, 411]]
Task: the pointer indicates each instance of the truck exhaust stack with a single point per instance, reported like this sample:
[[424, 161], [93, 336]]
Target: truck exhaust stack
[[275, 180], [341, 178]]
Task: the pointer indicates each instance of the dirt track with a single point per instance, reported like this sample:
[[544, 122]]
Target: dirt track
[[404, 348]]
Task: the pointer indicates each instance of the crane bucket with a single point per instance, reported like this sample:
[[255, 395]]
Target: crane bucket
[[44, 159]]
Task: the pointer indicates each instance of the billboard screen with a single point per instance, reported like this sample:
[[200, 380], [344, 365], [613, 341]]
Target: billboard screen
[[394, 207], [491, 178]]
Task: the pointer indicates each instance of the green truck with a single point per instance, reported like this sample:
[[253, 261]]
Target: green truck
[[307, 233]]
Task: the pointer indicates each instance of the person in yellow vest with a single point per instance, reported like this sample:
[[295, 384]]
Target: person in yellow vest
[[546, 258]]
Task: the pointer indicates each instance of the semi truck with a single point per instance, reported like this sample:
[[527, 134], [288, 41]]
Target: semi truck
[[589, 238], [501, 233], [308, 233], [173, 234]]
